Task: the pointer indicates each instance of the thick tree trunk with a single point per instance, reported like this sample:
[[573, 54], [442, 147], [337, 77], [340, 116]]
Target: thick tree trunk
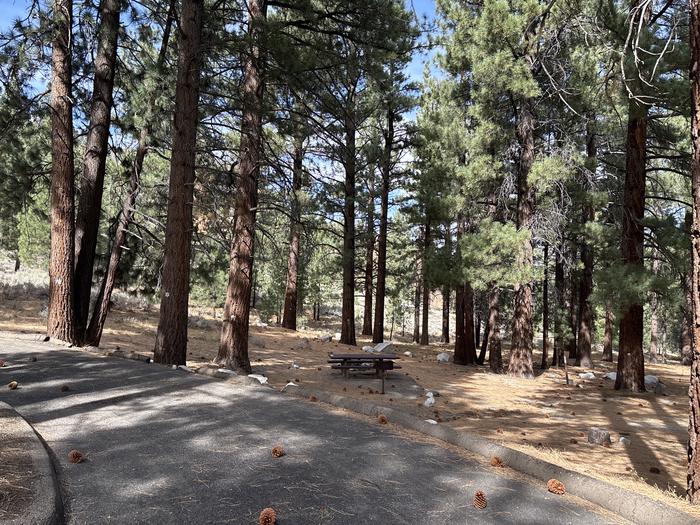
[[369, 268], [630, 361], [520, 363], [694, 390], [687, 307], [585, 310], [446, 313], [608, 335], [469, 341], [92, 182], [291, 296], [378, 332], [61, 318], [460, 351], [233, 343], [425, 335], [171, 336], [545, 310], [103, 299], [347, 331], [560, 292]]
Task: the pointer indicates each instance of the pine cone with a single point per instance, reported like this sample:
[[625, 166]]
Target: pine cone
[[480, 500], [278, 451], [556, 487], [497, 462], [75, 456], [12, 385], [268, 517], [313, 398], [383, 419]]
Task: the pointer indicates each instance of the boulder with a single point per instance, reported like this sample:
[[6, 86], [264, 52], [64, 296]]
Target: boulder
[[599, 436], [611, 375], [443, 357], [383, 347], [650, 381], [587, 375]]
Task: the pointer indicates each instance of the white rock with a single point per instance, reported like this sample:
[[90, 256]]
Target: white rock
[[327, 338], [443, 357], [337, 336], [611, 375], [430, 400], [625, 440], [226, 371], [587, 375], [185, 368], [262, 379], [408, 354], [368, 349], [294, 365], [431, 421], [284, 388], [383, 347], [650, 380]]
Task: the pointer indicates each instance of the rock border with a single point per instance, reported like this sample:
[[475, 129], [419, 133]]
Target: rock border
[[46, 507], [637, 508]]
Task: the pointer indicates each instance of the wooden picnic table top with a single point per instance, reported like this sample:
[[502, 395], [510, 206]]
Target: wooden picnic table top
[[364, 357]]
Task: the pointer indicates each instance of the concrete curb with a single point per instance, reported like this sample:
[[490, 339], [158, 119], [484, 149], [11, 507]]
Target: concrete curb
[[46, 507], [634, 507]]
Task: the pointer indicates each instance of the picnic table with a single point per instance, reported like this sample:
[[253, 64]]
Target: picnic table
[[379, 363]]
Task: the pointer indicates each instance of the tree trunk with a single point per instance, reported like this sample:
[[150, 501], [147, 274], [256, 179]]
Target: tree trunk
[[103, 299], [425, 335], [416, 307], [654, 314], [694, 390], [494, 337], [477, 330], [92, 182], [469, 341], [687, 307], [61, 319], [378, 332], [446, 314], [571, 304], [520, 364], [630, 361], [291, 296], [233, 343], [171, 336], [560, 292], [545, 310], [585, 310], [608, 336], [369, 267], [460, 351], [347, 331]]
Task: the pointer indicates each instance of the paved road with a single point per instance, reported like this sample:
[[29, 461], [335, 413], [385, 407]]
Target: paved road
[[169, 447]]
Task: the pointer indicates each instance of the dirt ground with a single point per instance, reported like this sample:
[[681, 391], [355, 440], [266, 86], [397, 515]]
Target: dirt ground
[[543, 417]]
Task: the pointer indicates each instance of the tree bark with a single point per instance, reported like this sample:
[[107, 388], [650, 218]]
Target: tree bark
[[630, 361], [585, 310], [103, 299], [233, 343], [571, 304], [469, 341], [560, 292], [694, 389], [378, 332], [608, 335], [347, 331], [446, 313], [545, 310], [654, 314], [291, 296], [520, 363], [92, 182], [425, 335], [416, 306], [494, 337], [369, 267], [171, 336], [61, 317]]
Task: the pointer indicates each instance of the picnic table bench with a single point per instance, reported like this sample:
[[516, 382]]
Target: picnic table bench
[[379, 363]]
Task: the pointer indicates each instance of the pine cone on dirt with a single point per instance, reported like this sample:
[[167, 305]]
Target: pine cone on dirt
[[313, 398], [75, 456], [268, 517], [383, 419], [278, 451], [497, 462], [556, 487], [480, 500], [12, 385]]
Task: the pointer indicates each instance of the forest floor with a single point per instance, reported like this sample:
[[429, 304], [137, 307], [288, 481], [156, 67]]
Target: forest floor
[[543, 417]]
